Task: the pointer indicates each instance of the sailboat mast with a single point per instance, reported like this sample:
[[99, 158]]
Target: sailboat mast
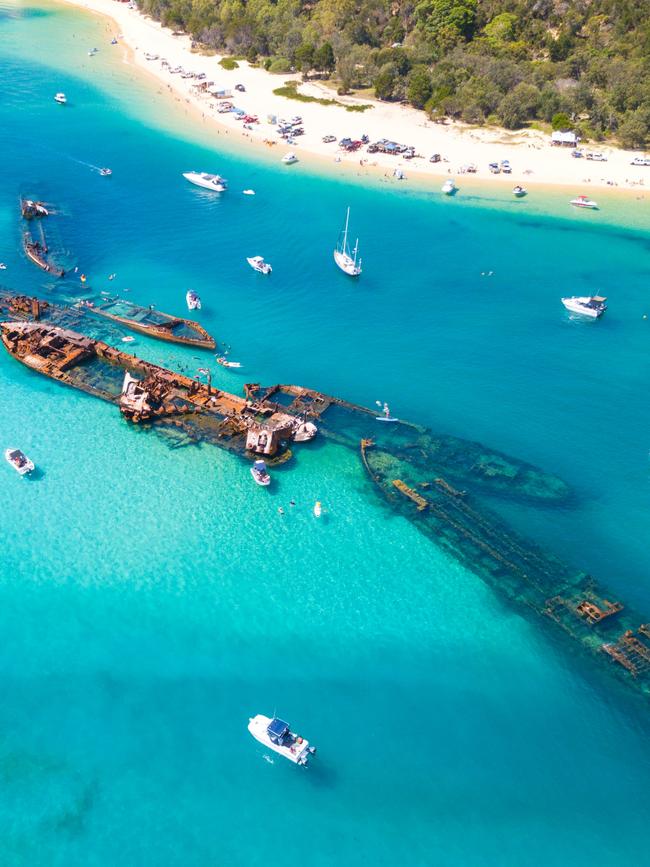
[[345, 232]]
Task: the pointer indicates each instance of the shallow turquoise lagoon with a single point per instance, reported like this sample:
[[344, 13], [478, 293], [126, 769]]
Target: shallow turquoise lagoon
[[152, 598]]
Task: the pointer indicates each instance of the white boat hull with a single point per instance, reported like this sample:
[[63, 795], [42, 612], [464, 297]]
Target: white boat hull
[[193, 301], [22, 469], [262, 480], [346, 264], [206, 181], [577, 305], [259, 265], [298, 753]]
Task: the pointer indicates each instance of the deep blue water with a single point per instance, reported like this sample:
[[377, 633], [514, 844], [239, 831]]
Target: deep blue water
[[151, 600]]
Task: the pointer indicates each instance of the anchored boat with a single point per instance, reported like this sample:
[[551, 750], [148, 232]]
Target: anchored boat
[[19, 461], [192, 299], [586, 305], [215, 183], [275, 734], [346, 259], [152, 322]]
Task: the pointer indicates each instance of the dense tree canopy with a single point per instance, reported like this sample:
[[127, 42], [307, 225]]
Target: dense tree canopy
[[584, 63]]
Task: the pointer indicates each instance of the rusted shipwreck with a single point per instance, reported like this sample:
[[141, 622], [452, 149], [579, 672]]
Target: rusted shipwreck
[[438, 483], [154, 323], [146, 393]]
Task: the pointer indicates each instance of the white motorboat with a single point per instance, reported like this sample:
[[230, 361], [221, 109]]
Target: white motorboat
[[449, 187], [519, 192], [584, 202], [345, 258], [209, 182], [248, 192], [61, 98], [260, 473], [318, 509], [19, 461], [193, 300], [304, 431], [92, 52], [289, 159], [276, 735], [106, 173], [257, 263], [586, 305], [223, 361]]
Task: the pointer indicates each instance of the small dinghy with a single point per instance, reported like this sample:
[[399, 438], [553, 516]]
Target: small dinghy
[[449, 187], [223, 361], [128, 339], [248, 192], [193, 300], [105, 173], [289, 159], [19, 461], [61, 98], [519, 192], [257, 263], [260, 473], [318, 509]]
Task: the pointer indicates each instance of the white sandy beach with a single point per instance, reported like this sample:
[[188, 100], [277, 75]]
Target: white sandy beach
[[533, 159]]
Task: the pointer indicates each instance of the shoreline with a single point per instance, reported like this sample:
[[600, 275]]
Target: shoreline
[[535, 162]]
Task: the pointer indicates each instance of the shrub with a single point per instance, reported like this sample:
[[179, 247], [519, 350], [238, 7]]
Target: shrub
[[228, 63]]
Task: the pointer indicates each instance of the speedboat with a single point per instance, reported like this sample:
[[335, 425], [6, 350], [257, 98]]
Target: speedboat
[[289, 159], [223, 361], [519, 191], [193, 300], [449, 187], [260, 473], [19, 461], [587, 305], [248, 192], [209, 182], [276, 735], [92, 52], [345, 258], [105, 173], [61, 98], [584, 202], [257, 263], [318, 509]]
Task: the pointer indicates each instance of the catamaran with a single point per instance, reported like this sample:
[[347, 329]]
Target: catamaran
[[209, 182], [345, 258]]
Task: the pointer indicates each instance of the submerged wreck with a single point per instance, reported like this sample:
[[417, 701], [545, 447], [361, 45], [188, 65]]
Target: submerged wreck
[[152, 322], [34, 241], [437, 482]]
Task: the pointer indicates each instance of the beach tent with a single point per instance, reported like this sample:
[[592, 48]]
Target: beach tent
[[564, 137]]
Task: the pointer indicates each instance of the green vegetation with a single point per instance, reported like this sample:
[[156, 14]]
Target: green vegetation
[[584, 64], [290, 91], [228, 63]]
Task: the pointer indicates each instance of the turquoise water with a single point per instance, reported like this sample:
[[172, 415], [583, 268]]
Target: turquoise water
[[153, 598]]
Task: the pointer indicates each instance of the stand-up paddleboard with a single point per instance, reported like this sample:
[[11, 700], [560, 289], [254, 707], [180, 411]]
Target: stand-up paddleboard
[[318, 509], [386, 416]]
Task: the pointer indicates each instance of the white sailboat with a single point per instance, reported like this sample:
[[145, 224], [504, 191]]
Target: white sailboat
[[345, 258]]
